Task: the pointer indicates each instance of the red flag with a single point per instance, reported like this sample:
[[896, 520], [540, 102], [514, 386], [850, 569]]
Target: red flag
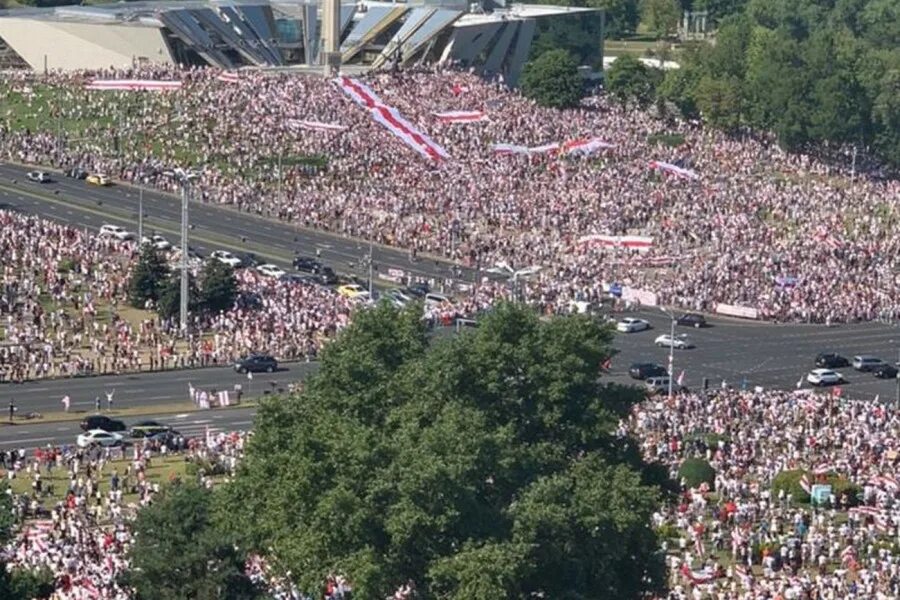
[[836, 392]]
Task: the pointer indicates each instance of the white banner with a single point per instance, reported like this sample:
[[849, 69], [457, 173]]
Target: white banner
[[395, 275], [315, 125], [674, 169], [229, 77], [585, 146], [640, 243], [645, 297], [733, 310], [132, 85], [461, 116]]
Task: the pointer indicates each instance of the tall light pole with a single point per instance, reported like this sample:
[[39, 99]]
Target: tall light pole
[[671, 349], [141, 207], [184, 178]]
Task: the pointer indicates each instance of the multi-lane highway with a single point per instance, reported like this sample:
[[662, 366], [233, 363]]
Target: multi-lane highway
[[213, 226], [739, 352]]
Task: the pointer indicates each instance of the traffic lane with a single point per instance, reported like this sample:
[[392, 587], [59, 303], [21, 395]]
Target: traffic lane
[[228, 221], [143, 389], [769, 355], [35, 434]]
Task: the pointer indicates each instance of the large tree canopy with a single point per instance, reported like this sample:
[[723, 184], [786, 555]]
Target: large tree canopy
[[552, 79], [808, 71], [480, 466]]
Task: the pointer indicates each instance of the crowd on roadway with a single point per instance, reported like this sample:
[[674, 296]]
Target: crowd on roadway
[[738, 537], [63, 293], [788, 235], [84, 539]]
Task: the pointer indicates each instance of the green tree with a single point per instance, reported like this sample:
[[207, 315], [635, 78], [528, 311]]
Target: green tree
[[219, 287], [579, 35], [180, 554], [148, 277], [552, 80], [660, 17], [622, 16], [169, 304], [629, 80], [479, 466], [719, 102]]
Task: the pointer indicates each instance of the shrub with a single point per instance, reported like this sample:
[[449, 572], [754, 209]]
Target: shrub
[[789, 481], [672, 140], [695, 471]]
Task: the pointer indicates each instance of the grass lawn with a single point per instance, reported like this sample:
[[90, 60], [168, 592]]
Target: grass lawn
[[161, 470]]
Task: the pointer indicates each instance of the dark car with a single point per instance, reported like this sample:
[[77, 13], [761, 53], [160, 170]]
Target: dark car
[[249, 260], [256, 363], [326, 276], [692, 320], [147, 429], [418, 289], [645, 370], [171, 438], [297, 278], [101, 422], [307, 264], [76, 173], [830, 360], [885, 371]]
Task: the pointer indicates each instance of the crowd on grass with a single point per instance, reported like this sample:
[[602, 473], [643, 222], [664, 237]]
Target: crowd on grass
[[751, 530], [63, 293], [791, 236], [78, 529]]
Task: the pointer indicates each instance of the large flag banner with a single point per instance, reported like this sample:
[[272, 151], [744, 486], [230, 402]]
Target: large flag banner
[[640, 243], [131, 85], [358, 92], [674, 169], [514, 149], [316, 125], [229, 77], [585, 146], [391, 119], [461, 116]]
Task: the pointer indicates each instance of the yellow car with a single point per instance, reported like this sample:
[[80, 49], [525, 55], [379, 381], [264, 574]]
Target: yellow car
[[97, 179], [352, 290]]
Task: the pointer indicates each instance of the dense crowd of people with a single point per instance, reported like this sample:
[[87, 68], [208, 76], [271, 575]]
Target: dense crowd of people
[[740, 537], [83, 540], [787, 235], [63, 292]]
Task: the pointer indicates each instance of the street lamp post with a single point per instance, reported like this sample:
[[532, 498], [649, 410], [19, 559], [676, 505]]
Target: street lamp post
[[671, 349], [184, 178], [140, 208]]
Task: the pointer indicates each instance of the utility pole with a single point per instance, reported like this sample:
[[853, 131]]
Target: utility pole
[[370, 270], [671, 349], [185, 182], [280, 175], [140, 208]]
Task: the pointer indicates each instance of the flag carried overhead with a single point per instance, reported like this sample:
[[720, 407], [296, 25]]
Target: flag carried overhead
[[130, 85]]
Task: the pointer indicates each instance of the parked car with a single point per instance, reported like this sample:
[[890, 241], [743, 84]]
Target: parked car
[[418, 288], [679, 342], [824, 377], [326, 276], [630, 325], [147, 429], [270, 270], [38, 177], [830, 360], [660, 385], [433, 300], [398, 297], [248, 259], [98, 179], [169, 437], [76, 173], [98, 437], [885, 371], [226, 257], [692, 320], [157, 241], [120, 233], [102, 422], [307, 264], [865, 362], [353, 290], [256, 363], [645, 370]]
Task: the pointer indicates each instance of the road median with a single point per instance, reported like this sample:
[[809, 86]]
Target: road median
[[171, 408]]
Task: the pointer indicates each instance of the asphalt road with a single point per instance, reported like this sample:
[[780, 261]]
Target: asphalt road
[[32, 435], [142, 389], [214, 227], [763, 354]]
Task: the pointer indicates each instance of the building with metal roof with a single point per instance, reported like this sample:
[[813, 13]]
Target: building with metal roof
[[235, 34]]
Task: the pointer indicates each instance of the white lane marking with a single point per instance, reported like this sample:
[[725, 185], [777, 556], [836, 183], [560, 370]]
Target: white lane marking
[[182, 416], [62, 429], [27, 440]]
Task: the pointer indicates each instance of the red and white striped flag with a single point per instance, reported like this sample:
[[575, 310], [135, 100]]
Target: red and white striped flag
[[674, 169], [229, 77], [316, 125], [131, 85], [516, 149], [585, 146], [680, 380], [458, 89], [804, 483], [461, 116]]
